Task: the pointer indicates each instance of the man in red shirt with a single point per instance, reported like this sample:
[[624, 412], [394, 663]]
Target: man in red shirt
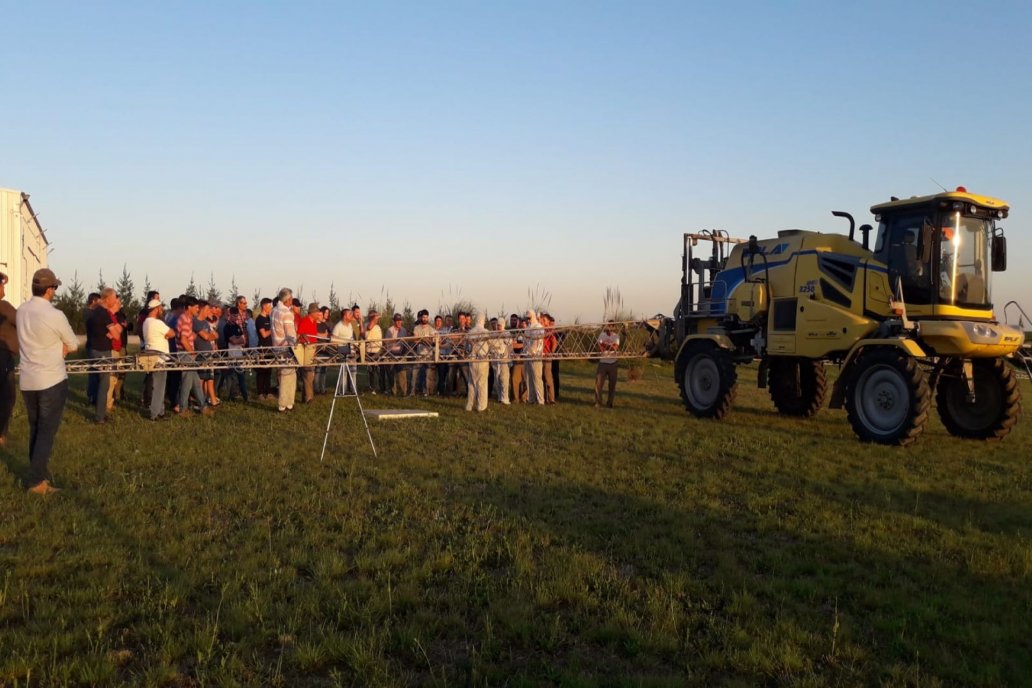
[[308, 333]]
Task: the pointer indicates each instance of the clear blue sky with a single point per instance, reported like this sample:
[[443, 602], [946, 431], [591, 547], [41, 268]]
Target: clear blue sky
[[483, 148]]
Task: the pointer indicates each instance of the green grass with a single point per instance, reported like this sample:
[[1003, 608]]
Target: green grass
[[522, 546]]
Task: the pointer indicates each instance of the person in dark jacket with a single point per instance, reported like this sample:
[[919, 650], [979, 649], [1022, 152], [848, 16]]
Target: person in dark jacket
[[8, 352]]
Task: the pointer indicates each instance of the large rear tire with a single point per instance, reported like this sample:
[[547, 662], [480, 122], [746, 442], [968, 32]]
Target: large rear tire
[[707, 378], [887, 397], [997, 402], [797, 386]]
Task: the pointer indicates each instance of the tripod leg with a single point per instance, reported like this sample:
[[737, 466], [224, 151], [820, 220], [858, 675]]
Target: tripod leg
[[361, 412], [329, 421]]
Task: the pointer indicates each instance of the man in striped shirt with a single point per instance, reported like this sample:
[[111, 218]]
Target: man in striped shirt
[[190, 382]]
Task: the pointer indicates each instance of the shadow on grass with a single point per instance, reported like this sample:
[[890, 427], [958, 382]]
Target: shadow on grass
[[958, 513], [894, 606], [18, 468]]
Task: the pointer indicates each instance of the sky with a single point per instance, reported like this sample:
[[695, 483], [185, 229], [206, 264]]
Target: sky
[[496, 152]]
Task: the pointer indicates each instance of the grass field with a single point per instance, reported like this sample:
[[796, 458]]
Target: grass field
[[524, 546]]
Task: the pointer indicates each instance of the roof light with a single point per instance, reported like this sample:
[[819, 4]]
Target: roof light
[[961, 189]]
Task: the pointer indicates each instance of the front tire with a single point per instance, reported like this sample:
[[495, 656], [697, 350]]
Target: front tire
[[997, 402], [707, 378], [887, 397], [797, 386]]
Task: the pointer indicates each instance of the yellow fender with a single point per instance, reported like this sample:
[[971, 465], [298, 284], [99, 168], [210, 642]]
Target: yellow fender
[[838, 393], [721, 340]]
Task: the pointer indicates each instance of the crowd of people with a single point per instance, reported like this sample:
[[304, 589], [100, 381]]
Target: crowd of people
[[194, 325], [513, 367]]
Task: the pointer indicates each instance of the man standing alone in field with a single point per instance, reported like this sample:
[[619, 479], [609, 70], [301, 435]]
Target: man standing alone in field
[[608, 343], [44, 339]]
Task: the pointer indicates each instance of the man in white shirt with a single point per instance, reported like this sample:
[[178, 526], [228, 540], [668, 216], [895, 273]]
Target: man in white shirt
[[533, 349], [44, 339], [479, 351], [608, 342], [374, 345], [343, 336], [284, 333], [397, 375], [501, 352], [155, 340]]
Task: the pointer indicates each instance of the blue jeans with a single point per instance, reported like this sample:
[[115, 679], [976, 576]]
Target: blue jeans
[[191, 382], [157, 399], [103, 382], [44, 408]]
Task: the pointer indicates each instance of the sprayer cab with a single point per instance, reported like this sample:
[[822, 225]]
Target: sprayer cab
[[941, 250]]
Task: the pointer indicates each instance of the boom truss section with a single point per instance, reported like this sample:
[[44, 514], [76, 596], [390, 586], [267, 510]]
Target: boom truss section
[[573, 343]]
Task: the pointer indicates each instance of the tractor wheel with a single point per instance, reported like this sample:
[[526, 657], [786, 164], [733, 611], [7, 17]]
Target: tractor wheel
[[997, 400], [708, 380], [797, 386], [887, 397]]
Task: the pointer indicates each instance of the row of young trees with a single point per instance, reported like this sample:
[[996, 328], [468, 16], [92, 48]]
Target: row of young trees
[[71, 299]]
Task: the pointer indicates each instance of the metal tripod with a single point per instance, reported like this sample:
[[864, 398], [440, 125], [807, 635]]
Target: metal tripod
[[345, 380]]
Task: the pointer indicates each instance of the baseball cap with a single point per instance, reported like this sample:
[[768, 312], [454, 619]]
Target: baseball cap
[[153, 303], [45, 278]]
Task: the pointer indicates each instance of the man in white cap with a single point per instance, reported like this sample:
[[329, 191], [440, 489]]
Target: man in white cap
[[44, 339], [534, 348], [155, 340], [479, 366]]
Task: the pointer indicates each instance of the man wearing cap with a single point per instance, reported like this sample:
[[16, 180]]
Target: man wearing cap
[[44, 339], [148, 379], [8, 352], [155, 334], [308, 333]]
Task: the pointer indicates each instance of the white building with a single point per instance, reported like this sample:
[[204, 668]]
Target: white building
[[23, 244]]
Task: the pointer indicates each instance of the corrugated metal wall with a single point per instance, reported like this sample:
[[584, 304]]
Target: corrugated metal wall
[[23, 248]]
